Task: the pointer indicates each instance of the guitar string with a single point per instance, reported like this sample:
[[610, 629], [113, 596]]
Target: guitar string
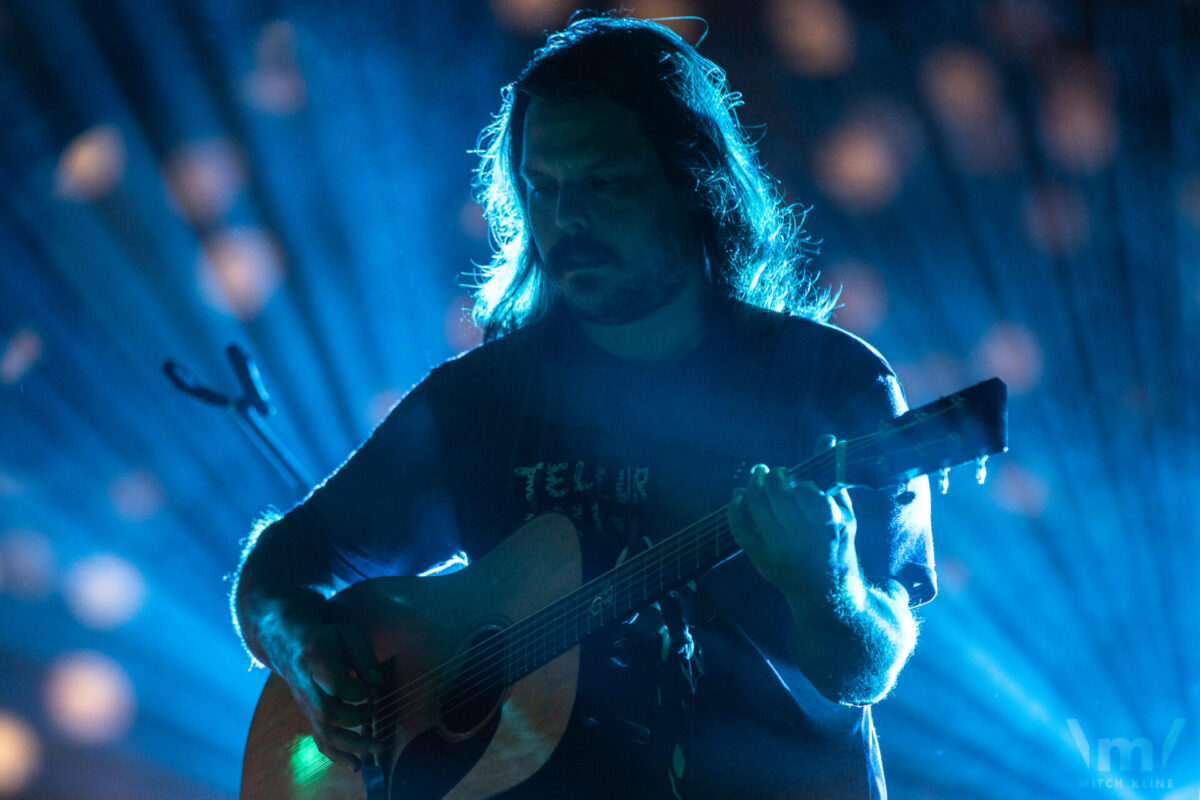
[[676, 549], [563, 617], [537, 637], [569, 603], [568, 610]]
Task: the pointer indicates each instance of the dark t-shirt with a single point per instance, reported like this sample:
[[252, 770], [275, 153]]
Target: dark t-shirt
[[543, 420]]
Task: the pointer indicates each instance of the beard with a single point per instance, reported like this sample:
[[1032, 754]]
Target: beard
[[603, 288]]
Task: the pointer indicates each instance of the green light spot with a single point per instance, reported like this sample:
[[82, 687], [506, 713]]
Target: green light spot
[[308, 763]]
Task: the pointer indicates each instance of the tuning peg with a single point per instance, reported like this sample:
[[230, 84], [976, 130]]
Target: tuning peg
[[944, 480], [981, 470]]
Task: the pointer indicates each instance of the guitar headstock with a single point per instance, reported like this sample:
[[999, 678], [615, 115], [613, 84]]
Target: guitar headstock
[[966, 426]]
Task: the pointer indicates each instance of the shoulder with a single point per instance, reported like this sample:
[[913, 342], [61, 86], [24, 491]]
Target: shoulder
[[807, 341], [482, 383], [502, 359]]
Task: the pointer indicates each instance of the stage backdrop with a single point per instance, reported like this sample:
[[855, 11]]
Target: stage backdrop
[[1009, 187]]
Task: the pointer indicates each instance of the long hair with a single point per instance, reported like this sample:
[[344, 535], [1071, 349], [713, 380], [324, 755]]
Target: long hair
[[756, 246]]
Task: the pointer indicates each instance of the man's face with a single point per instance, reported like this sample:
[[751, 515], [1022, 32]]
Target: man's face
[[611, 230]]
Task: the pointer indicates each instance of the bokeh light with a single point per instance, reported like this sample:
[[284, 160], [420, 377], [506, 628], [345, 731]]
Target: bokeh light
[[1024, 28], [27, 563], [89, 697], [864, 296], [954, 576], [21, 352], [381, 405], [857, 167], [812, 37], [934, 374], [862, 161], [104, 591], [471, 221], [530, 16], [1078, 123], [962, 85], [20, 753], [276, 86], [240, 269], [204, 178], [964, 89], [1020, 491], [664, 10], [92, 164], [137, 496], [1057, 220], [1014, 353]]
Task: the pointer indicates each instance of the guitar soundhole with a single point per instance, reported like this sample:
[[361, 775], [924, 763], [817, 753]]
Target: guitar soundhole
[[477, 689]]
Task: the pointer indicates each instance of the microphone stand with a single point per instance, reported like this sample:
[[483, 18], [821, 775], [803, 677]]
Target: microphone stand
[[250, 410]]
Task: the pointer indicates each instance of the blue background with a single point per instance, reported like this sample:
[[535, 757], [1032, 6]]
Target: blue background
[[1002, 188]]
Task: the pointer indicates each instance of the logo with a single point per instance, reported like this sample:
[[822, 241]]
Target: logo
[[1127, 763]]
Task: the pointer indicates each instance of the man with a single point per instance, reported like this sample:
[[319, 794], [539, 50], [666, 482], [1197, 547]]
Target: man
[[637, 361]]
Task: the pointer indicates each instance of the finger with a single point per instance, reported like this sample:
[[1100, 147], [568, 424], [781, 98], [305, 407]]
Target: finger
[[762, 483], [345, 747], [842, 498], [801, 506], [351, 742], [824, 442], [817, 507], [741, 524], [792, 506], [345, 759], [338, 713], [361, 653], [329, 667]]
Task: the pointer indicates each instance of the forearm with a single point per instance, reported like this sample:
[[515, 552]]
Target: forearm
[[266, 618], [274, 589], [853, 640]]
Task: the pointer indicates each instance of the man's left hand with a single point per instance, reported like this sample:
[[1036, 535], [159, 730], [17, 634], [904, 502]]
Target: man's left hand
[[798, 538]]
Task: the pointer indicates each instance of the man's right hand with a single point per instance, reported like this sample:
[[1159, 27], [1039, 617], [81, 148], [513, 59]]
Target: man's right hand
[[332, 672]]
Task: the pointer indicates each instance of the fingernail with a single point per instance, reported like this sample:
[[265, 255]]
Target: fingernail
[[760, 469]]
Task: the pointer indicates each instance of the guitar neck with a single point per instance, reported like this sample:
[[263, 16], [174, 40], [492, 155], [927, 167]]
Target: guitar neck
[[965, 426]]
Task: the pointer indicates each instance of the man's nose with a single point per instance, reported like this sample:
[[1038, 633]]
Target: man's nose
[[571, 213]]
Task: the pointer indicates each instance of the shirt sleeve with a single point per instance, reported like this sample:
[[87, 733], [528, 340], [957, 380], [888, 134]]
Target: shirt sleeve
[[894, 536], [386, 510], [894, 539], [849, 388]]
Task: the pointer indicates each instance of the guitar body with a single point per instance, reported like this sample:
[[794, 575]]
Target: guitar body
[[437, 745]]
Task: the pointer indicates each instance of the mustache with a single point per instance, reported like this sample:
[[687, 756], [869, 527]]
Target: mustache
[[575, 251]]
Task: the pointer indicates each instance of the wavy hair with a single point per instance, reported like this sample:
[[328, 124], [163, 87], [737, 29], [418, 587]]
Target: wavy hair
[[756, 245]]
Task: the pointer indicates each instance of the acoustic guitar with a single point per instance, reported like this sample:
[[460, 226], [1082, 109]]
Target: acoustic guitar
[[481, 664]]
